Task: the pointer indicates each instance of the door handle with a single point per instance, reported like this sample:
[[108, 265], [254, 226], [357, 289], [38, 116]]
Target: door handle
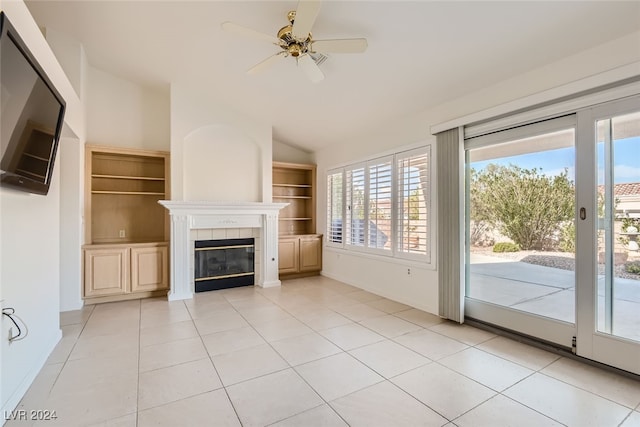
[[583, 213]]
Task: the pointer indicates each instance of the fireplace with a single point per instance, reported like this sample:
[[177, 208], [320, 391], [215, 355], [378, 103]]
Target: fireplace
[[223, 263], [197, 220]]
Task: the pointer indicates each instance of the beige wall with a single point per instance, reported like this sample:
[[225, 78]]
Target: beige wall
[[286, 153], [199, 119]]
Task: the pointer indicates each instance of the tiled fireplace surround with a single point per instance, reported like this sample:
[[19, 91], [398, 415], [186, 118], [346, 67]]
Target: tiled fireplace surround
[[191, 221]]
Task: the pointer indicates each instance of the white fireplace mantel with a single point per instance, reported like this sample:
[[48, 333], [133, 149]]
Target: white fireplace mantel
[[194, 215]]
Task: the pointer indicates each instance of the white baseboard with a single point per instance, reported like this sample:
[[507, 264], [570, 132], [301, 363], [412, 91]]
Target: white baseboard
[[384, 295]]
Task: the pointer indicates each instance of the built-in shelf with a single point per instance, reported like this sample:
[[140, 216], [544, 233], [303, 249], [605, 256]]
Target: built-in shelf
[[293, 185], [141, 178], [123, 188], [133, 193], [293, 197]]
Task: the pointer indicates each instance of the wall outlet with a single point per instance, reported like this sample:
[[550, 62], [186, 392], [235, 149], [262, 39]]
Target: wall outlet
[[122, 233], [408, 272], [10, 334]]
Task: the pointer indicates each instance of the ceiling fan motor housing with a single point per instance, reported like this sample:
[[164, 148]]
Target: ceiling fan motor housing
[[289, 43]]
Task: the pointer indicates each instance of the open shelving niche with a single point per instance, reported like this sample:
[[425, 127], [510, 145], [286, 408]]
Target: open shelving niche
[[299, 247], [125, 187], [295, 184], [126, 229]]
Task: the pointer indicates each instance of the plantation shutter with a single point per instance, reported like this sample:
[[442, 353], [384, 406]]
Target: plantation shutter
[[335, 206], [450, 216], [380, 204], [413, 203], [355, 209]]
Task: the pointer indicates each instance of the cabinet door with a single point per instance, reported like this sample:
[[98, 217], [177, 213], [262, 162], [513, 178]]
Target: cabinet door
[[149, 268], [310, 253], [106, 271], [288, 255]]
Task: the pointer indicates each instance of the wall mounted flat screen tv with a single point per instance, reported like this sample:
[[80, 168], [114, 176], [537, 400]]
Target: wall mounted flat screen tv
[[32, 113]]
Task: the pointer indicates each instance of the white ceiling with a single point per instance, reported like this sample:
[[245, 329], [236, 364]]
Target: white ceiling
[[420, 54]]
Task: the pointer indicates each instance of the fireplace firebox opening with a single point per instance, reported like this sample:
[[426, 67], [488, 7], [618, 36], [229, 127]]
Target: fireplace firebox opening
[[222, 264]]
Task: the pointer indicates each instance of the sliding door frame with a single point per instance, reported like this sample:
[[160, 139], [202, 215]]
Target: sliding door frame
[[558, 332], [591, 343]]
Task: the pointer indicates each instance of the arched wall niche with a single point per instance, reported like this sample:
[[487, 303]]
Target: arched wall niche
[[221, 163]]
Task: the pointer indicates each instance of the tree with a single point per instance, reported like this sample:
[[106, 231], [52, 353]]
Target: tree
[[523, 204]]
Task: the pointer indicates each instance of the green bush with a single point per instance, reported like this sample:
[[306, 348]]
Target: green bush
[[506, 247], [525, 205], [568, 238], [632, 267]]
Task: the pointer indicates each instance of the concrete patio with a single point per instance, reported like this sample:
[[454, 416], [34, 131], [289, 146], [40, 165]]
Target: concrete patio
[[550, 292]]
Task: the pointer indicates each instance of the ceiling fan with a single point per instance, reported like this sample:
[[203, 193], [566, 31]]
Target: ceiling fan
[[295, 40]]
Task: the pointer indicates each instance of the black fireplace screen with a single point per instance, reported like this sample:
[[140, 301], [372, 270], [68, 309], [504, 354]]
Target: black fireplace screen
[[220, 264]]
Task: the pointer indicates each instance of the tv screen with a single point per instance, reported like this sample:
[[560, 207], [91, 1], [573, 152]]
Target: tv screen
[[31, 117]]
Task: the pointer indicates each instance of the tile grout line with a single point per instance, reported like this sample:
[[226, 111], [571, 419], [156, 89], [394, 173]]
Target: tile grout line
[[293, 368], [385, 338], [138, 370], [66, 360], [223, 386]]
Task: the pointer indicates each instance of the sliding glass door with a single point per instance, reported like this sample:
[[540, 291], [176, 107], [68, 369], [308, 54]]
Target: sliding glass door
[[609, 315], [521, 229], [553, 231]]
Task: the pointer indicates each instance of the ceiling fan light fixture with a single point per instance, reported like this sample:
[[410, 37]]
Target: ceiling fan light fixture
[[295, 50], [296, 40]]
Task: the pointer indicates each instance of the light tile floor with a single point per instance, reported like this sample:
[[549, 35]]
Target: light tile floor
[[313, 352]]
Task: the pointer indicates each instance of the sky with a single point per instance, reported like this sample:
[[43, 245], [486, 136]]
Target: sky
[[553, 162]]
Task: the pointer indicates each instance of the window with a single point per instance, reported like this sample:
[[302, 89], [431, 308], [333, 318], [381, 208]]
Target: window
[[382, 205], [413, 203], [335, 207], [355, 214]]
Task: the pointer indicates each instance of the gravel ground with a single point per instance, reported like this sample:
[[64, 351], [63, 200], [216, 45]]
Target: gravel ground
[[560, 260]]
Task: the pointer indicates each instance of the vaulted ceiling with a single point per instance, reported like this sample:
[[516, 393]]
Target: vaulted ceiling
[[420, 53]]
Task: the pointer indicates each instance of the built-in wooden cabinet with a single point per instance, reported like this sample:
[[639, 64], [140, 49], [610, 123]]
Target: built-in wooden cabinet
[[299, 248], [288, 255], [300, 255], [149, 267], [125, 270], [310, 253], [126, 230], [106, 271]]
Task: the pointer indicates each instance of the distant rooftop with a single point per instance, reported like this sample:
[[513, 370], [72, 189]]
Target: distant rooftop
[[628, 189]]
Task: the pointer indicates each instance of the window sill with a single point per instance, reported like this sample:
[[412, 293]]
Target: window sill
[[384, 258]]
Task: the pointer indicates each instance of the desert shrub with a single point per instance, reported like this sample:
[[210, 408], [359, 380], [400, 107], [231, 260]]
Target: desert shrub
[[630, 222], [632, 267], [526, 205], [506, 247], [568, 238]]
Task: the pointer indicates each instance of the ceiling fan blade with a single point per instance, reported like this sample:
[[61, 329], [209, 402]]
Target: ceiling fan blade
[[266, 63], [248, 32], [339, 46], [306, 14], [310, 68]]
